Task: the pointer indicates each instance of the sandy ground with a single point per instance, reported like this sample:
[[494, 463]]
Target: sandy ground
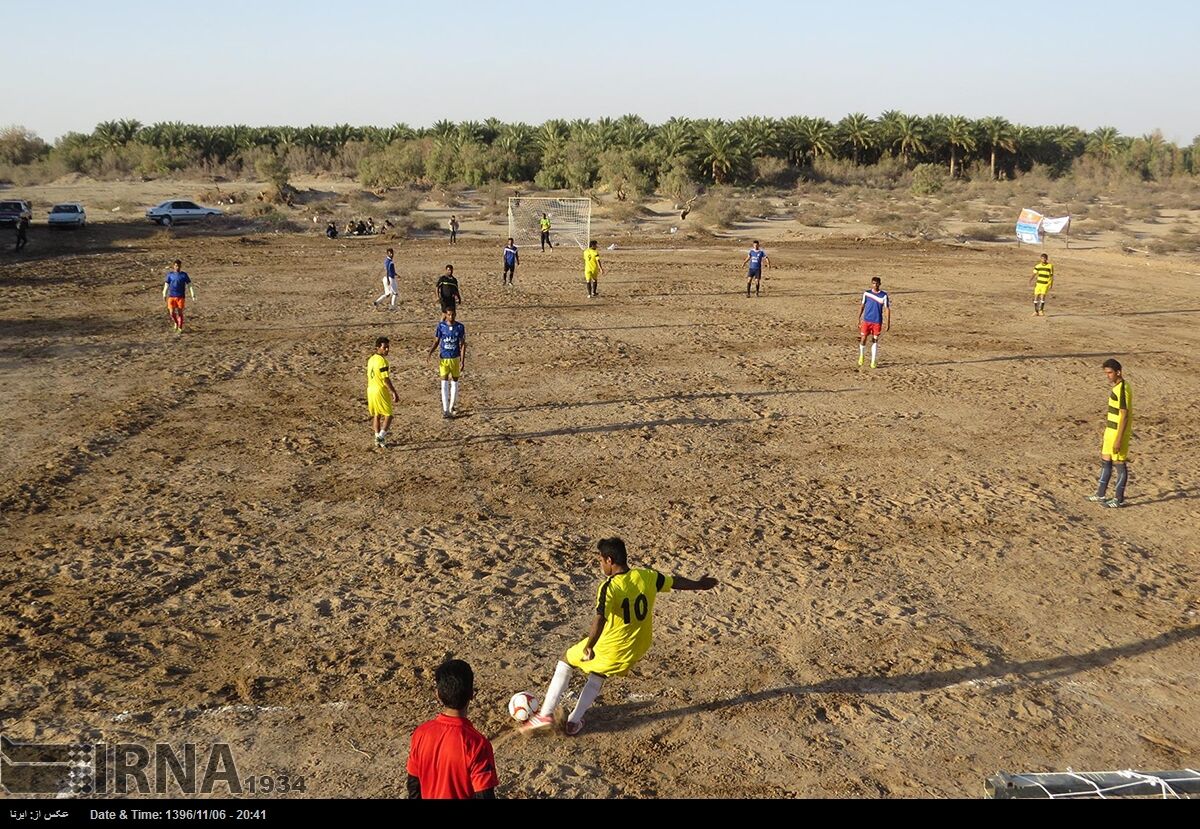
[[200, 544]]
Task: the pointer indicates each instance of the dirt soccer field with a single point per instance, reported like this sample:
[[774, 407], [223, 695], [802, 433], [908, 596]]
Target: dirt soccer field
[[200, 543]]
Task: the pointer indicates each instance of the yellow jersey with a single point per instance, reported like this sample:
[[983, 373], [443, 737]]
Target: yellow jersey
[[545, 224], [626, 601], [591, 262], [1044, 272], [1120, 397], [377, 373]]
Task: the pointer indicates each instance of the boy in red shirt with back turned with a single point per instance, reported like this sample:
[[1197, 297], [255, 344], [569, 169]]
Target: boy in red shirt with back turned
[[448, 758]]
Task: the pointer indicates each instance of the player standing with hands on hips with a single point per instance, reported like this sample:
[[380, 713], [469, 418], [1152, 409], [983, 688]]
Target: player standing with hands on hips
[[621, 632]]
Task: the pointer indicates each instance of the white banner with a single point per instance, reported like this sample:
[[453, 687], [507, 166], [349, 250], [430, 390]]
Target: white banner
[[1056, 226]]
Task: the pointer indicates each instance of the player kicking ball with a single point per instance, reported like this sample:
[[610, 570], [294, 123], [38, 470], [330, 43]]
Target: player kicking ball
[[620, 635], [452, 342], [874, 317]]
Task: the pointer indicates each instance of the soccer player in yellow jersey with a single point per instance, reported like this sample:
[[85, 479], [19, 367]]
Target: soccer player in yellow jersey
[[1118, 428], [592, 268], [620, 634], [1042, 280], [379, 384]]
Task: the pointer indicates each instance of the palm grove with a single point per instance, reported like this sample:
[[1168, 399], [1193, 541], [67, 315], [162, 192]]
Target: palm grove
[[626, 155]]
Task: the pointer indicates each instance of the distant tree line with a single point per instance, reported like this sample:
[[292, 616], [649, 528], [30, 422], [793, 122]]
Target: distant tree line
[[625, 155]]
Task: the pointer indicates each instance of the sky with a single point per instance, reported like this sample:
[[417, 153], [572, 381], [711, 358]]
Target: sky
[[1134, 66]]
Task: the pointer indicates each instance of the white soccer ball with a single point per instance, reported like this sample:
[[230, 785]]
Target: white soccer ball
[[522, 706]]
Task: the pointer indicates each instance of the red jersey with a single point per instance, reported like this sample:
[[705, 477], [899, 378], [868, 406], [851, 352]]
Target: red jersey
[[451, 759]]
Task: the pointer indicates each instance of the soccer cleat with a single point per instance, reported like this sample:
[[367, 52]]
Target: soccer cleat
[[872, 364], [861, 360], [446, 415], [1113, 503], [573, 728], [1096, 499], [536, 723]]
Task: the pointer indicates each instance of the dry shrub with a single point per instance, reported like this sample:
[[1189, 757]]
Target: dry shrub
[[989, 233], [625, 212], [718, 210]]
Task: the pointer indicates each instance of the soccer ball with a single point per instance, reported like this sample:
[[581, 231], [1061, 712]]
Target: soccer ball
[[522, 706]]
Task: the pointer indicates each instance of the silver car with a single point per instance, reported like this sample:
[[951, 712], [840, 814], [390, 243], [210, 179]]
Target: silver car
[[69, 214], [175, 211]]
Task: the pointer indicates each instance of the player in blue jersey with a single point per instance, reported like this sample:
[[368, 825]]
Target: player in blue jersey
[[874, 317], [451, 343], [757, 259], [512, 258], [174, 287], [389, 281]]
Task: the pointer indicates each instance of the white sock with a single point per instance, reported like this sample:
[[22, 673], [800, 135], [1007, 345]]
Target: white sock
[[445, 395], [453, 393], [591, 690], [862, 351], [562, 675], [874, 351]]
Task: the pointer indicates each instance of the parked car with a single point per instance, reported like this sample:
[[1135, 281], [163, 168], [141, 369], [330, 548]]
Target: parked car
[[176, 211], [70, 214], [11, 211]]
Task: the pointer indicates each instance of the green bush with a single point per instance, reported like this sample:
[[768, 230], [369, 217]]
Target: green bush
[[927, 179]]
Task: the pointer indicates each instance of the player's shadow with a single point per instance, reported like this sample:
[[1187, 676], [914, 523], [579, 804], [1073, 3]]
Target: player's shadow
[[616, 718], [664, 398], [1171, 495], [1166, 311], [504, 437], [1020, 358]]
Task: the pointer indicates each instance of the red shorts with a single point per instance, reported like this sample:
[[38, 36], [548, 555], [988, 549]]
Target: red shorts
[[174, 303], [873, 329]]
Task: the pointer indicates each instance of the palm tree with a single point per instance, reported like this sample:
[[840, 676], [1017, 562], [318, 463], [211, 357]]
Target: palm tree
[[471, 131], [443, 128], [632, 132], [959, 136], [757, 135], [722, 153], [791, 139], [909, 136], [998, 134], [857, 130], [675, 138], [819, 137], [116, 133], [1105, 143]]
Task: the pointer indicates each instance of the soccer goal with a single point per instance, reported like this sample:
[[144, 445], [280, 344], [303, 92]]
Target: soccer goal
[[570, 220]]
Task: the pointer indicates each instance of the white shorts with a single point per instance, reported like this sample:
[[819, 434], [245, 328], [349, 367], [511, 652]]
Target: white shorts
[[389, 286]]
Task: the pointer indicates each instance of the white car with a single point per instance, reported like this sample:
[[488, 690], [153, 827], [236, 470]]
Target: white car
[[175, 211], [70, 214]]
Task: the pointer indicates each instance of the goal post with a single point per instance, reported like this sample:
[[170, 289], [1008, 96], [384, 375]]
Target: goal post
[[570, 220]]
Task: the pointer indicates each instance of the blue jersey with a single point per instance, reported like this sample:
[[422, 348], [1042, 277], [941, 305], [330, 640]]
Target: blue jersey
[[177, 282], [873, 305], [452, 339], [389, 268], [510, 255], [756, 258]]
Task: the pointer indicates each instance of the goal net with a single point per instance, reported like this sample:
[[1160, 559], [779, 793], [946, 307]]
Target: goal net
[[570, 220]]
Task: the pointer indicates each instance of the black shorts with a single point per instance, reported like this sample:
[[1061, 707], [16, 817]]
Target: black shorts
[[510, 269], [449, 305], [754, 275]]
